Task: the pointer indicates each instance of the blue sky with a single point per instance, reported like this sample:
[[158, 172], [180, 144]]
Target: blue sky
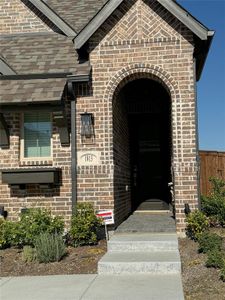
[[211, 87]]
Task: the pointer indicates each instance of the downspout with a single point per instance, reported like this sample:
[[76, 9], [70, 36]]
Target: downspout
[[197, 133], [72, 80], [74, 153], [73, 146]]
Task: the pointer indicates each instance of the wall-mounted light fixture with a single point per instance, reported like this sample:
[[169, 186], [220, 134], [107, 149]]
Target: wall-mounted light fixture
[[87, 125]]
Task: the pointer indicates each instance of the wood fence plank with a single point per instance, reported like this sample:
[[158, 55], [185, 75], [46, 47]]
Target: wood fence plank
[[212, 165]]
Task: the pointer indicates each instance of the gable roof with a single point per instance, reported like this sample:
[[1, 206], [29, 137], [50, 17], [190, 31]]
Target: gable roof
[[77, 13], [78, 20], [186, 18], [53, 17], [203, 34], [178, 11]]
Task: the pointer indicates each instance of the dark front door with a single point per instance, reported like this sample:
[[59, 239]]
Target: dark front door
[[150, 158]]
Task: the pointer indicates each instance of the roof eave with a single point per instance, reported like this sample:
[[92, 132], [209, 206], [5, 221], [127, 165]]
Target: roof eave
[[205, 50], [186, 18], [5, 69]]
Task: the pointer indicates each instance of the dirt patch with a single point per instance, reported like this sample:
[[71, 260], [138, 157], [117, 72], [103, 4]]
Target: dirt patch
[[199, 282], [80, 260]]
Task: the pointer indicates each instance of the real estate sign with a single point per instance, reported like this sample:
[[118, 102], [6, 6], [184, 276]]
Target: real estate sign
[[107, 216]]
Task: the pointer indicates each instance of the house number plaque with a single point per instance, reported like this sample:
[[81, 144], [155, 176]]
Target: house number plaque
[[88, 158]]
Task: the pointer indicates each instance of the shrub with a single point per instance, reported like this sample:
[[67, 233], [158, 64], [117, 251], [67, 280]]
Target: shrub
[[222, 273], [36, 221], [3, 241], [214, 204], [28, 254], [209, 242], [32, 223], [215, 259], [197, 223], [11, 234], [84, 225], [3, 236], [49, 247]]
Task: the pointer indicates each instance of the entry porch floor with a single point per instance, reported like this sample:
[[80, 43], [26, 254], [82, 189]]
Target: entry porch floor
[[148, 221]]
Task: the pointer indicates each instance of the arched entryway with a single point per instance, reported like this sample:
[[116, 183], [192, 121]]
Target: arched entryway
[[142, 145]]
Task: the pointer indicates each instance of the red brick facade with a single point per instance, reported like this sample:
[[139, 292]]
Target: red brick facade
[[141, 39], [133, 49], [16, 18]]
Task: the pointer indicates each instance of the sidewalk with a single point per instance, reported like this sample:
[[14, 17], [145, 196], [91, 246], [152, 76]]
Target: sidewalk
[[92, 287]]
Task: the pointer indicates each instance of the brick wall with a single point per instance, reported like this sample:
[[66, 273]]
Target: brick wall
[[57, 199], [95, 183], [142, 39], [16, 17]]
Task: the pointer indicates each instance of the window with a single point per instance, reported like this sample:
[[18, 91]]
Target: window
[[37, 131]]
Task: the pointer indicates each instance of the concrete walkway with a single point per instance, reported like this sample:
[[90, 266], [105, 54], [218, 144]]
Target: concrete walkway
[[92, 287]]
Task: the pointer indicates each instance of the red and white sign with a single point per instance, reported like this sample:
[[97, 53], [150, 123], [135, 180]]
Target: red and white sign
[[107, 216]]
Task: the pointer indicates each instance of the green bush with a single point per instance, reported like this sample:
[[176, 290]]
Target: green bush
[[197, 223], [209, 242], [11, 234], [36, 221], [215, 259], [3, 236], [31, 224], [214, 204], [222, 273], [84, 225], [28, 254], [3, 240], [49, 247]]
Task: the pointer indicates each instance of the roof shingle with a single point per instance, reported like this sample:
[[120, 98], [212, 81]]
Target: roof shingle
[[39, 53], [77, 13], [34, 90]]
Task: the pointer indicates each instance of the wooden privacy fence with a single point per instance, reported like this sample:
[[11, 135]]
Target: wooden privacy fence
[[212, 165]]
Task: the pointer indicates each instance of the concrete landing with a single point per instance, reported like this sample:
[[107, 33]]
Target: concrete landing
[[153, 204], [148, 222]]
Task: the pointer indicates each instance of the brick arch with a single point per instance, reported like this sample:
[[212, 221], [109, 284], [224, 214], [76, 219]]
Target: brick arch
[[116, 83], [138, 71]]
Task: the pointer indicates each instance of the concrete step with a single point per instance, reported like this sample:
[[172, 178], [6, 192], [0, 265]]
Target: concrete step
[[140, 262], [142, 242]]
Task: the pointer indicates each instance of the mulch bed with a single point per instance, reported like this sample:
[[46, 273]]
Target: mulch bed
[[199, 282], [80, 260]]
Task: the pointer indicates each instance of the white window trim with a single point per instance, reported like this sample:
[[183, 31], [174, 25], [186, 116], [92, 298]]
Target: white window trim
[[35, 158]]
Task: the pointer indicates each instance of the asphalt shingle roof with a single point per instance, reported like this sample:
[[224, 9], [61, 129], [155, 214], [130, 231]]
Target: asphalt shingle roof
[[77, 13], [39, 53], [33, 90]]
